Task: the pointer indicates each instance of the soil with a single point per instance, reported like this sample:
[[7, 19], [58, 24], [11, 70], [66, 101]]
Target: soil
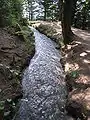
[[14, 57], [76, 60], [77, 57]]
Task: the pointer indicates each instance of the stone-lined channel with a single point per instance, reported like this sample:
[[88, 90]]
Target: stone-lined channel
[[44, 88]]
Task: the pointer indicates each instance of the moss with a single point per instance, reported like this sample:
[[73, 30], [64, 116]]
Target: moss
[[27, 36]]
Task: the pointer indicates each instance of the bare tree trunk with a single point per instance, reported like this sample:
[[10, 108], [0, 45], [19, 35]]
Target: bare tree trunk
[[29, 15], [84, 18], [30, 11], [74, 9], [45, 14], [67, 7], [60, 3]]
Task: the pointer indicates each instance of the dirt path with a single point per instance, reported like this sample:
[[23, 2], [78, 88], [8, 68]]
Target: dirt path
[[83, 53], [78, 59]]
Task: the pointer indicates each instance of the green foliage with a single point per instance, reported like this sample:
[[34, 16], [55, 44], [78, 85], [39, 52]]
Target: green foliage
[[74, 74], [43, 10], [4, 12], [2, 103], [24, 22], [26, 35], [31, 8], [82, 14], [50, 9], [10, 12], [9, 106]]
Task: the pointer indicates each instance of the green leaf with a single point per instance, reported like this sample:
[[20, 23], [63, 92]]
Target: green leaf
[[2, 105], [74, 74]]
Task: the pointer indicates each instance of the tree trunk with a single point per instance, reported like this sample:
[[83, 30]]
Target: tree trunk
[[84, 18], [31, 12], [29, 15], [73, 11], [45, 14], [66, 20], [60, 3]]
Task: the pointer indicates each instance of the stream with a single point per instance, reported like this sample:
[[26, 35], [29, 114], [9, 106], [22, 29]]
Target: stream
[[44, 88]]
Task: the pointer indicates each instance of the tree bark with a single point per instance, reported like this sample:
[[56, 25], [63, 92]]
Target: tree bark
[[30, 11], [84, 18], [67, 7], [60, 6], [45, 14], [73, 10], [29, 16]]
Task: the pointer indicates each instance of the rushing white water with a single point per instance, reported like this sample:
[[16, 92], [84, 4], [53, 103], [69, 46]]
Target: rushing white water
[[44, 88]]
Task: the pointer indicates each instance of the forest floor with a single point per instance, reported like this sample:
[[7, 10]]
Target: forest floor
[[14, 57], [76, 66]]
